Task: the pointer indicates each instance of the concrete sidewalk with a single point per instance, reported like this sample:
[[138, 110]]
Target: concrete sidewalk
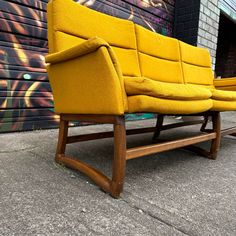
[[172, 193]]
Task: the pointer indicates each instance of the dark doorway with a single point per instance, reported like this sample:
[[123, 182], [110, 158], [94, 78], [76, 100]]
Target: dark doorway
[[226, 48]]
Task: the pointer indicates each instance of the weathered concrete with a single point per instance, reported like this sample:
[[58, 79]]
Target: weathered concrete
[[172, 193]]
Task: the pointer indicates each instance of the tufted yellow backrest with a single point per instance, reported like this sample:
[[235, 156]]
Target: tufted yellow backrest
[[70, 24], [196, 63], [159, 56]]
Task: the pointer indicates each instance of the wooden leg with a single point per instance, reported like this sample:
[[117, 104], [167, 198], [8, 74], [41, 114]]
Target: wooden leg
[[159, 124], [119, 161], [61, 145], [215, 145], [113, 186], [204, 125]]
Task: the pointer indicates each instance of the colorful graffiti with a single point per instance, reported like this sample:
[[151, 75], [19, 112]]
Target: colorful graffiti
[[26, 101]]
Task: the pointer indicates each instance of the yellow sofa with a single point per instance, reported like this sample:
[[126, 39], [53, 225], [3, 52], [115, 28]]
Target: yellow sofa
[[101, 67]]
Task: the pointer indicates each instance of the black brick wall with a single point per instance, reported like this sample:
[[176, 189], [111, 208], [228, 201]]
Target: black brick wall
[[186, 20]]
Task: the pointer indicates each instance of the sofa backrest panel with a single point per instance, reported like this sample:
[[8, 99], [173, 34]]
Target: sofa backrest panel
[[73, 20], [196, 63], [159, 56]]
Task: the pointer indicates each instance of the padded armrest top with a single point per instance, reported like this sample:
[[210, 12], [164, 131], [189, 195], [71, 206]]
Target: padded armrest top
[[225, 82], [88, 46]]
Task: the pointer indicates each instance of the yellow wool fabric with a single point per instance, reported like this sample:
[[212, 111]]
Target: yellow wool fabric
[[197, 75], [51, 36], [156, 69], [223, 105], [156, 53], [65, 41], [226, 83], [142, 103], [223, 95], [128, 60], [157, 45], [88, 63], [83, 23], [145, 86], [227, 88], [195, 55], [73, 85], [74, 19], [88, 46], [196, 64]]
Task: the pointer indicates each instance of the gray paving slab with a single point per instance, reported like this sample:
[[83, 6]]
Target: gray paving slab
[[172, 193]]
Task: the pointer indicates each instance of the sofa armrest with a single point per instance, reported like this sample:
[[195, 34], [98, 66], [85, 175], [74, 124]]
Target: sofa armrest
[[88, 46], [85, 79], [226, 83]]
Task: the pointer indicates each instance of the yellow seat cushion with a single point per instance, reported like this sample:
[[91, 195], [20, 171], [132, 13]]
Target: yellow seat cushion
[[223, 100], [173, 91], [223, 105], [143, 103], [223, 95]]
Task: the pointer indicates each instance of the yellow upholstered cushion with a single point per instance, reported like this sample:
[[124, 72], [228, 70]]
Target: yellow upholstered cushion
[[65, 41], [223, 105], [173, 91], [70, 23], [226, 83], [223, 100], [160, 69], [157, 45], [128, 60], [223, 95], [74, 19], [197, 75], [196, 63], [143, 103], [195, 55], [156, 54]]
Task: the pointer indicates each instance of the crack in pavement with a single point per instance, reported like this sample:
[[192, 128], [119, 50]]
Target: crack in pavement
[[148, 213], [18, 150]]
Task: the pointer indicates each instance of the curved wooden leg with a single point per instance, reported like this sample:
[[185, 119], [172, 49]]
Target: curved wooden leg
[[159, 124], [113, 186], [119, 161], [61, 145]]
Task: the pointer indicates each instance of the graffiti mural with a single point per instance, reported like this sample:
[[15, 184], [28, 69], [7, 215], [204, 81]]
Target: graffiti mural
[[26, 101]]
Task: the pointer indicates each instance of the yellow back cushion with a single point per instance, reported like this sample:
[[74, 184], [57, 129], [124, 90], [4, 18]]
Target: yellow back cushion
[[159, 56], [70, 23], [196, 64]]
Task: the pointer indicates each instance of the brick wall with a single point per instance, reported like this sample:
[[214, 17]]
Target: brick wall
[[186, 20], [208, 26]]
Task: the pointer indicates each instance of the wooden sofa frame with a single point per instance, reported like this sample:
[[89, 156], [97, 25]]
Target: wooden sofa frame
[[114, 186], [224, 132]]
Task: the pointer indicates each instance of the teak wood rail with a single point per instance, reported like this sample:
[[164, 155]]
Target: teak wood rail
[[229, 131], [114, 186]]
